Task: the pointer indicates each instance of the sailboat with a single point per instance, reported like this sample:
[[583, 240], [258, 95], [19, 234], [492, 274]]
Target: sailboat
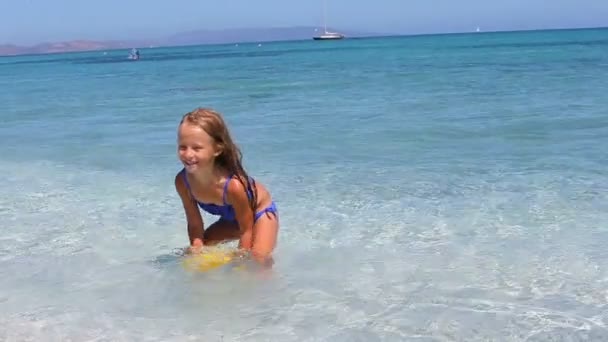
[[326, 35]]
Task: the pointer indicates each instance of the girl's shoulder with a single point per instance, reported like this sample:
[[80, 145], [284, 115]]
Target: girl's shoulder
[[237, 186], [235, 182], [180, 181]]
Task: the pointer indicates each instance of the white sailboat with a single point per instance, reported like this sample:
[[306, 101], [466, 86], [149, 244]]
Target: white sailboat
[[326, 35]]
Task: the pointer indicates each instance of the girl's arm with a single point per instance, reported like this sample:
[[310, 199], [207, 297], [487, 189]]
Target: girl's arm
[[193, 215], [239, 200]]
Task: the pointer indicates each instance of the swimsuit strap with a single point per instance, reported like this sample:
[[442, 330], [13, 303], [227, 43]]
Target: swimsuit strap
[[249, 190], [186, 181], [226, 189]]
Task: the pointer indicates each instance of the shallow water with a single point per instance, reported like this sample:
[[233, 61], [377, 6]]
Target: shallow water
[[434, 188]]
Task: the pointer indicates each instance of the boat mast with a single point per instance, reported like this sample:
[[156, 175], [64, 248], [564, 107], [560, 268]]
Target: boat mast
[[325, 15]]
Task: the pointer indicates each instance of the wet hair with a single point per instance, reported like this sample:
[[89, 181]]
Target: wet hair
[[230, 158]]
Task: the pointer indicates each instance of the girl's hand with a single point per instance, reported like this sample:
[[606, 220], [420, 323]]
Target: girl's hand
[[196, 248]]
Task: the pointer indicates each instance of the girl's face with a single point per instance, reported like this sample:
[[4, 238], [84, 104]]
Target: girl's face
[[196, 149]]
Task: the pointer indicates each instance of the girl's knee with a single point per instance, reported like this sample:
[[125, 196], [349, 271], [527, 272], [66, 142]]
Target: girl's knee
[[265, 259]]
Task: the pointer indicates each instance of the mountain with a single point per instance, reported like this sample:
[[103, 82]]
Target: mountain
[[198, 37], [57, 47]]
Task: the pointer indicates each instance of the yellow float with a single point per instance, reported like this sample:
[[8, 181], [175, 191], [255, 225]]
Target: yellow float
[[207, 260]]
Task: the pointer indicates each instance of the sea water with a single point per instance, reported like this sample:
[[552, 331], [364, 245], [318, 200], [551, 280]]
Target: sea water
[[430, 188]]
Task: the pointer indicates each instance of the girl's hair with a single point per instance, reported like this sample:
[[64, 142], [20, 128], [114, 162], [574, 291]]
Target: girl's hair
[[230, 158]]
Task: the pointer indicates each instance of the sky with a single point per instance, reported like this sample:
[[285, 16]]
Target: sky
[[26, 22]]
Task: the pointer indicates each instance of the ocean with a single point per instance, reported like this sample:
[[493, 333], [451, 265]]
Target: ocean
[[430, 188]]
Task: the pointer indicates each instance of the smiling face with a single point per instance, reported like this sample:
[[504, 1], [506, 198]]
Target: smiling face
[[197, 150]]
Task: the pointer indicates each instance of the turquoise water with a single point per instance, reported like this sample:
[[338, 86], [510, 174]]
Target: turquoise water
[[431, 188]]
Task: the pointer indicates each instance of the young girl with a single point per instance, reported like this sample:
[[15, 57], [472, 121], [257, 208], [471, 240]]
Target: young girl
[[213, 178]]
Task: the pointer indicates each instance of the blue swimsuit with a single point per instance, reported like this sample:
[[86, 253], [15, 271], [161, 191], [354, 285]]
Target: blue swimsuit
[[226, 211]]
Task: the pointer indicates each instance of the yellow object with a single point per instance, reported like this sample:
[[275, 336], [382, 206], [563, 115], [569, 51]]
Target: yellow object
[[207, 260]]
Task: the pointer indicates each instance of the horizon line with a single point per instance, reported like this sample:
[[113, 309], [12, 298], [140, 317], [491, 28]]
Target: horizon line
[[367, 36], [376, 34]]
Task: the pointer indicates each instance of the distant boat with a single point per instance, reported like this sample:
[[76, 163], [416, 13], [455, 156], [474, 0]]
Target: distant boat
[[134, 54], [329, 36], [326, 35]]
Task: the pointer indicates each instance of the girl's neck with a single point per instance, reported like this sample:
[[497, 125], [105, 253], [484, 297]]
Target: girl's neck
[[209, 178]]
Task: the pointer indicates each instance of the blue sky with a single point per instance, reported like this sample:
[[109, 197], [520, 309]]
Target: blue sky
[[33, 21]]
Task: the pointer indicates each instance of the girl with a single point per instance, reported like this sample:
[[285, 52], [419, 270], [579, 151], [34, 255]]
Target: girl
[[213, 178]]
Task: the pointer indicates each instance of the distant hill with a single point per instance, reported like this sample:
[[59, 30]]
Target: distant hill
[[57, 47], [197, 37]]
